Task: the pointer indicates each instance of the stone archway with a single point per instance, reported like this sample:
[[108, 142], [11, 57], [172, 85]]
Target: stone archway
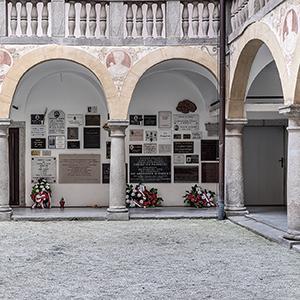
[[256, 35], [47, 53], [186, 53]]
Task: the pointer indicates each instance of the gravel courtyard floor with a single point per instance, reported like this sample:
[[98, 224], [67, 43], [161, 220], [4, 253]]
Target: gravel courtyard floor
[[145, 259]]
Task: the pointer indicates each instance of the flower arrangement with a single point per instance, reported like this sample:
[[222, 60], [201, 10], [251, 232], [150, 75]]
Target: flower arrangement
[[199, 197], [41, 194], [140, 196]]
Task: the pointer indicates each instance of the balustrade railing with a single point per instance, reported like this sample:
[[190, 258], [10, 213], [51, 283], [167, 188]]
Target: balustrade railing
[[243, 10], [200, 19], [28, 18], [87, 19]]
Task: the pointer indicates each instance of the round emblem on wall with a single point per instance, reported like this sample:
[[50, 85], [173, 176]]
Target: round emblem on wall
[[6, 62], [118, 62]]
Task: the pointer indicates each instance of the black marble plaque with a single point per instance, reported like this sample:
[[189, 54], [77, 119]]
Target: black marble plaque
[[92, 120], [72, 133], [106, 173], [135, 149], [108, 149], [209, 150], [186, 174], [150, 169], [150, 120], [210, 172], [135, 119], [192, 159], [177, 136], [73, 144], [186, 136], [37, 119], [38, 143], [91, 137], [183, 147]]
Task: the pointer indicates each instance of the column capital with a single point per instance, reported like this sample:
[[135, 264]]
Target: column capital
[[4, 124], [117, 127], [292, 111], [234, 126]]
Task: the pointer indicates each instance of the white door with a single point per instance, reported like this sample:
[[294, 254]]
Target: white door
[[264, 170]]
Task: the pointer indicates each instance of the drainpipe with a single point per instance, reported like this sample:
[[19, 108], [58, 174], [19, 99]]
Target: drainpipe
[[222, 95]]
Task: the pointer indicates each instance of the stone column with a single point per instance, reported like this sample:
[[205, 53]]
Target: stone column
[[58, 18], [234, 177], [5, 210], [293, 171], [117, 190]]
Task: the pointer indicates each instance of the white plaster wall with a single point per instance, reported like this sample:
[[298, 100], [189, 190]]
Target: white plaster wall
[[71, 92], [162, 91]]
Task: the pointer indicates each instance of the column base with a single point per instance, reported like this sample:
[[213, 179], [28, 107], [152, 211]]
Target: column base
[[5, 213], [236, 211], [292, 235], [117, 214]]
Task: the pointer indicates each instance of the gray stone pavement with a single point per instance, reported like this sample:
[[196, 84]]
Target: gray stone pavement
[[143, 259]]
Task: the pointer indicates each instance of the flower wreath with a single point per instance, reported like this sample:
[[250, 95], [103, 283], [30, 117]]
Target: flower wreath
[[199, 197], [41, 194]]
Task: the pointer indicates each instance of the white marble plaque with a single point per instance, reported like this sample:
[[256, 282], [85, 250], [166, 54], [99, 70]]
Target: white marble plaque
[[165, 136], [164, 148], [56, 122], [75, 119], [43, 167], [57, 142], [38, 131], [136, 135], [164, 119], [79, 168], [178, 159], [188, 122], [150, 148], [196, 135]]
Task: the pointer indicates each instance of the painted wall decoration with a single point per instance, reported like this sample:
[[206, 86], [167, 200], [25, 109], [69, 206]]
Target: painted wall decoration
[[186, 106], [290, 31], [118, 62], [6, 62]]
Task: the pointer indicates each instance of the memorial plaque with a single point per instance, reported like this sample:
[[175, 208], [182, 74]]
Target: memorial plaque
[[150, 148], [183, 147], [136, 135], [38, 131], [106, 173], [150, 135], [178, 159], [210, 172], [177, 136], [150, 120], [164, 119], [56, 122], [92, 109], [165, 136], [91, 137], [135, 149], [209, 150], [56, 142], [75, 119], [38, 143], [186, 174], [72, 133], [196, 135], [186, 136], [79, 168], [150, 169], [165, 148], [46, 152], [73, 144], [108, 149], [35, 152], [37, 119], [43, 167], [188, 122], [192, 159], [92, 120], [135, 119]]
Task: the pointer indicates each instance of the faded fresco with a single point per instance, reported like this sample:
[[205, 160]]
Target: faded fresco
[[6, 62]]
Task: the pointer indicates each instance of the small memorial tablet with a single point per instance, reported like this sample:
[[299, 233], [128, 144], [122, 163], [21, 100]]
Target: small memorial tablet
[[73, 144], [108, 149], [72, 133], [38, 143], [186, 136], [164, 148], [43, 167], [136, 135], [186, 174], [209, 150], [135, 149], [183, 147], [150, 148], [92, 120], [164, 119], [91, 137], [56, 122], [37, 119], [177, 136], [150, 120], [135, 119], [192, 159], [150, 135]]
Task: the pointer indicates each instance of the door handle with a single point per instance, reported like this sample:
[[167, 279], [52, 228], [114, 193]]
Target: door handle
[[281, 162]]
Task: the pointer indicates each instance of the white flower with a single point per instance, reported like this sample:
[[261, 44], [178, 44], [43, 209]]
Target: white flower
[[37, 190], [127, 196], [127, 201], [132, 194], [139, 195], [141, 201]]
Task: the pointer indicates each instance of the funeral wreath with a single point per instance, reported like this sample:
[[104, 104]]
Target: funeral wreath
[[199, 197], [41, 194]]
